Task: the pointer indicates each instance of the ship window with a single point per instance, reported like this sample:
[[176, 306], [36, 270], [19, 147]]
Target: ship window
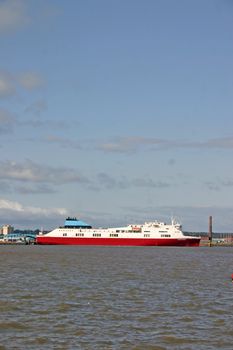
[[64, 234], [146, 235], [113, 235], [96, 234]]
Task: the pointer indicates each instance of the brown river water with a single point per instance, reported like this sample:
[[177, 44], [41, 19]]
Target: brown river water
[[70, 297]]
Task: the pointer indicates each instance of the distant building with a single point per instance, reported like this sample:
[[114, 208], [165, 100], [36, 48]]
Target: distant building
[[7, 229]]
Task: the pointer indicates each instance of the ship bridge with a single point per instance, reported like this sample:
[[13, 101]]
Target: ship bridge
[[75, 223]]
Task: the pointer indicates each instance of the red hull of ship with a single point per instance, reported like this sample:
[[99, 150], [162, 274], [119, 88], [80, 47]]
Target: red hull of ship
[[189, 242]]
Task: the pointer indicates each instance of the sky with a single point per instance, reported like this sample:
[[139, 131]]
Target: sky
[[116, 112]]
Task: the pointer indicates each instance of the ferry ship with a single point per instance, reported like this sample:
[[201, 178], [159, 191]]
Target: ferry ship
[[77, 232]]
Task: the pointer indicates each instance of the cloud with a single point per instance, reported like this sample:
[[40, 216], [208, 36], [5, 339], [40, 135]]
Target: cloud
[[106, 181], [225, 142], [130, 144], [16, 214], [150, 183], [35, 189], [30, 80], [11, 206], [171, 162], [218, 184], [13, 15], [227, 183], [48, 124], [7, 87], [109, 182], [41, 188], [7, 121], [30, 171], [63, 142], [39, 178], [37, 107], [212, 186], [193, 218], [133, 144], [10, 83]]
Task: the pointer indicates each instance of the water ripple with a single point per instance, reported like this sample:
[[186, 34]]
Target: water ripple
[[116, 298]]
